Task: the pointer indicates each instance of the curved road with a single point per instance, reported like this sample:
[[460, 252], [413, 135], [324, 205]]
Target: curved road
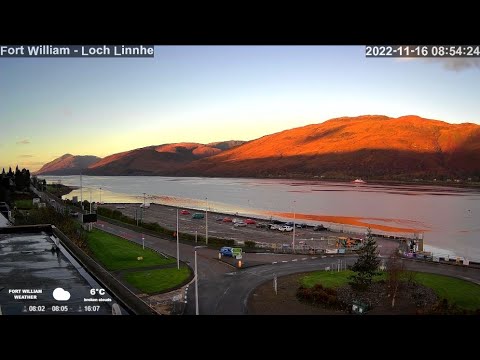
[[223, 289]]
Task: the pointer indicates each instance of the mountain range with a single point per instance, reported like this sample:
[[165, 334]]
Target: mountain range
[[370, 146]]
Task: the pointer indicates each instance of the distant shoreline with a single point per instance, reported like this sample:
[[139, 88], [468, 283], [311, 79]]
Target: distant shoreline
[[453, 184]]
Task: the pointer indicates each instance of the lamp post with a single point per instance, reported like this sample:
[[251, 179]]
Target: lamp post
[[81, 191], [178, 249], [90, 225], [143, 208], [196, 280], [206, 222], [100, 195], [293, 242]]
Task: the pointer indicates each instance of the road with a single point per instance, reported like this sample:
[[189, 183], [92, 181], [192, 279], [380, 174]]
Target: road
[[224, 289]]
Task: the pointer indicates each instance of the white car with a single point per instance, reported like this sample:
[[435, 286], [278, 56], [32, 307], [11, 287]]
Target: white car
[[285, 228], [239, 224]]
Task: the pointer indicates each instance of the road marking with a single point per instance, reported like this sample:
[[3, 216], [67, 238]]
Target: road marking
[[284, 261], [295, 260], [313, 257], [304, 259], [274, 262]]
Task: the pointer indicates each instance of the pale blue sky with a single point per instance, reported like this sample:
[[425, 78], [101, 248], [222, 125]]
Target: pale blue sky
[[49, 107]]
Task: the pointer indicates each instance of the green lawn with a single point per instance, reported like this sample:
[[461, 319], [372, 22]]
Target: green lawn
[[24, 204], [331, 279], [461, 292], [153, 281], [116, 253]]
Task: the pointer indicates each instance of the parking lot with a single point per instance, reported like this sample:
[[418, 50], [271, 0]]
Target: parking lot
[[166, 216]]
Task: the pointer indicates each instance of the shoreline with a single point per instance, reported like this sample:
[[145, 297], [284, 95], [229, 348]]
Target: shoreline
[[442, 184]]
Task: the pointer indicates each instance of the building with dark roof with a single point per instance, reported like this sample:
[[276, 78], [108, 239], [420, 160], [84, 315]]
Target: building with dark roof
[[43, 272]]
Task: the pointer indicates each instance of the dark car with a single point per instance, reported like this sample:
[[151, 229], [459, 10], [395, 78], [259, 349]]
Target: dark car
[[319, 228]]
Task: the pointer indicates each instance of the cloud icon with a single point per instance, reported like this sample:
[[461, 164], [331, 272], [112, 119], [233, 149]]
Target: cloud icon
[[61, 295]]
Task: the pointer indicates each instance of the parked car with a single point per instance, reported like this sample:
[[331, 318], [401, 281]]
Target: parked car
[[249, 221], [226, 251], [74, 213], [198, 216], [273, 226], [319, 228], [285, 228], [219, 219], [261, 225], [227, 219], [301, 226], [185, 212], [290, 223], [147, 205], [239, 224]]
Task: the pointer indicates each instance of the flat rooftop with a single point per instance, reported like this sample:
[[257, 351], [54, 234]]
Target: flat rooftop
[[3, 221], [30, 272]]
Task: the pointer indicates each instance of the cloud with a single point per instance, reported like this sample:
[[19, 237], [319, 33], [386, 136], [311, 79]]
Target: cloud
[[456, 64], [32, 163], [61, 295], [23, 142], [26, 156]]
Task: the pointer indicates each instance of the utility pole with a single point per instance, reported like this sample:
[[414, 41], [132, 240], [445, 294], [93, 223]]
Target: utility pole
[[196, 280], [178, 246], [293, 241], [81, 191], [100, 195], [206, 223], [143, 209], [90, 224]]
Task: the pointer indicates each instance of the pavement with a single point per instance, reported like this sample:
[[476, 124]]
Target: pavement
[[224, 289]]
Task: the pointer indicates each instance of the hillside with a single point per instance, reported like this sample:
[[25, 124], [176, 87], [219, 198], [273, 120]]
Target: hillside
[[67, 164], [365, 146], [370, 147], [157, 160]]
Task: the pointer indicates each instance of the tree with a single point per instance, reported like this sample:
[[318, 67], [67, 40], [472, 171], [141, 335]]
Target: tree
[[395, 273], [366, 266]]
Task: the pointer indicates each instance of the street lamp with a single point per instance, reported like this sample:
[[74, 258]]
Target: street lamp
[[81, 191], [143, 208], [196, 280], [100, 195], [206, 222], [293, 242], [178, 249], [90, 225]]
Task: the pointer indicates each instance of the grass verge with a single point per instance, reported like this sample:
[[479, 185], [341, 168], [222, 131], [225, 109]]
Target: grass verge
[[465, 294], [154, 281], [116, 253], [24, 204]]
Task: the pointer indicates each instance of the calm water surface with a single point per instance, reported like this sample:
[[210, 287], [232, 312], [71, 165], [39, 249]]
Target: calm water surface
[[449, 218]]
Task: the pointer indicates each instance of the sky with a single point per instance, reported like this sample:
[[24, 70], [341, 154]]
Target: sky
[[87, 106]]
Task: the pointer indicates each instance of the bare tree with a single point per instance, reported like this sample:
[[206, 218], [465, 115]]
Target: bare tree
[[395, 273]]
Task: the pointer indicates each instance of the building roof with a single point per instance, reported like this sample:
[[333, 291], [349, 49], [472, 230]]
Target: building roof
[[3, 221], [30, 272]]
